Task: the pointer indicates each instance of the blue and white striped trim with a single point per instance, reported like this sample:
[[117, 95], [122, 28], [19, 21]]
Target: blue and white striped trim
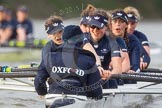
[[124, 50], [138, 70], [145, 42], [116, 51]]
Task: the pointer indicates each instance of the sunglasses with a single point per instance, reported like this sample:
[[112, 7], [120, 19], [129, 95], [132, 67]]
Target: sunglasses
[[85, 25], [93, 27], [132, 22]]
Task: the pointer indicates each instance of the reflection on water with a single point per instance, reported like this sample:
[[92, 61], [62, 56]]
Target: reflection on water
[[18, 99], [12, 99]]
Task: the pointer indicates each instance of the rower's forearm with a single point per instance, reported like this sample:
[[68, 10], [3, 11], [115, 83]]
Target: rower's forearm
[[116, 71], [125, 67], [40, 86], [98, 62]]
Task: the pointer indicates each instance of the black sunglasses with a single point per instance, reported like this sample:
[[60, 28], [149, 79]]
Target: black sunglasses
[[85, 25], [93, 27]]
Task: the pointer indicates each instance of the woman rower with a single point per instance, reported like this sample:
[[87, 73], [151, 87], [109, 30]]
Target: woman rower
[[56, 39], [54, 28], [68, 64], [85, 16], [24, 26], [105, 46], [122, 45], [133, 18], [5, 27], [119, 23]]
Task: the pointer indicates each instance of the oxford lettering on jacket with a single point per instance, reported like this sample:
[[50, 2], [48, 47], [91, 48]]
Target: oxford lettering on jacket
[[63, 70]]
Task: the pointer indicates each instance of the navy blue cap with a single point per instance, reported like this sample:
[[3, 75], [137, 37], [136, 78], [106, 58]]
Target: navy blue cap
[[84, 20], [71, 31], [55, 27], [120, 14], [98, 21], [2, 8], [132, 17], [23, 9]]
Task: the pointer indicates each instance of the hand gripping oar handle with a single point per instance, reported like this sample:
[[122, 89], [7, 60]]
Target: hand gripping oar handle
[[18, 74], [138, 77]]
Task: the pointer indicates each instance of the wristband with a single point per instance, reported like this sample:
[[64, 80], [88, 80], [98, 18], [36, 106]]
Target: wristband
[[98, 65]]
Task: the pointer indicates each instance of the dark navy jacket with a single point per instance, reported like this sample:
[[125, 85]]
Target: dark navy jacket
[[142, 38], [134, 51], [78, 40], [5, 24], [13, 23], [106, 48], [27, 25], [60, 64], [144, 41], [121, 44]]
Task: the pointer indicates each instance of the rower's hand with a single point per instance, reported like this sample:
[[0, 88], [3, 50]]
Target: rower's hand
[[143, 65], [100, 70], [106, 75], [42, 97], [20, 30], [103, 74], [21, 34], [131, 71]]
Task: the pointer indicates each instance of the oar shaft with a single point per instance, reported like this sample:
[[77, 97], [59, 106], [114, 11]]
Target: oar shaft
[[148, 74], [35, 43], [26, 46], [9, 69], [18, 74], [31, 72], [138, 77], [152, 70], [24, 69]]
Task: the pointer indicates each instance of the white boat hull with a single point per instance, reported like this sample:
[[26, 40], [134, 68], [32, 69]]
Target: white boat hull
[[124, 96]]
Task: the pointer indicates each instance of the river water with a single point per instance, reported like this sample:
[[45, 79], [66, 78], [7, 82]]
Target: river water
[[19, 99]]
